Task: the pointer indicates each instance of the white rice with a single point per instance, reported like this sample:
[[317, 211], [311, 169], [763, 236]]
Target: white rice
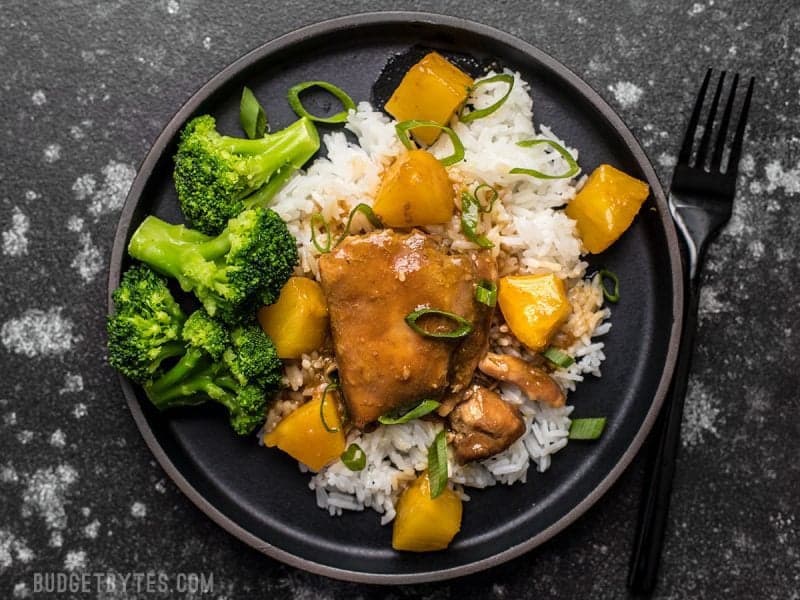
[[530, 236]]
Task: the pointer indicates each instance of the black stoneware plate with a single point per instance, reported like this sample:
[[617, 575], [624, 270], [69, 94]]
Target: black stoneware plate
[[259, 495]]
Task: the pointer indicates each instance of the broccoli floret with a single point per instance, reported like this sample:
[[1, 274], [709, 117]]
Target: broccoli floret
[[231, 274], [252, 357], [204, 332], [145, 328], [239, 369], [247, 412], [217, 176]]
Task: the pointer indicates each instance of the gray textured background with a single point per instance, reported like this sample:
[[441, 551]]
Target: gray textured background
[[87, 86]]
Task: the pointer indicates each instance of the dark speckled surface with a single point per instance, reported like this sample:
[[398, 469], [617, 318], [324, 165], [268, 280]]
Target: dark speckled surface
[[88, 86]]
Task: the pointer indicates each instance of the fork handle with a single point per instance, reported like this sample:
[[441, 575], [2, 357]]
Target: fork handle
[[660, 468]]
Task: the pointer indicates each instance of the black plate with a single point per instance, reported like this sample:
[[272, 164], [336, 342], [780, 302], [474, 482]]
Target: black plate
[[259, 495]]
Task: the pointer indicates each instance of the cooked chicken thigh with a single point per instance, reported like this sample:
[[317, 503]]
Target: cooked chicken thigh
[[371, 283], [534, 382], [484, 424]]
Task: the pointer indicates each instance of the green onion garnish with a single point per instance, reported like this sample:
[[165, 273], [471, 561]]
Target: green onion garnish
[[251, 115], [437, 464], [317, 220], [558, 358], [470, 217], [587, 429], [420, 410], [365, 210], [463, 329], [486, 293], [404, 127], [611, 296], [337, 92], [330, 387], [491, 194], [354, 458], [573, 166], [485, 112]]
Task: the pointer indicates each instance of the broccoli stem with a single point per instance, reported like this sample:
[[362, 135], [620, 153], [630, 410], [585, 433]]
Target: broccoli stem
[[187, 364], [300, 153], [169, 248], [228, 383], [266, 192], [215, 248], [168, 351], [160, 245], [193, 375], [297, 138], [217, 393], [190, 393], [194, 390], [276, 156]]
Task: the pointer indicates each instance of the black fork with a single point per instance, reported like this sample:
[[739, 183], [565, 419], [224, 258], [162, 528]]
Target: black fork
[[701, 202]]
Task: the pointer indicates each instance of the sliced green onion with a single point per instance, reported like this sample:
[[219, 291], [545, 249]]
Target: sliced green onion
[[437, 464], [573, 166], [251, 115], [558, 357], [317, 220], [463, 329], [470, 217], [605, 274], [404, 127], [485, 112], [337, 92], [587, 429], [486, 293], [493, 197], [354, 458], [420, 410], [330, 387], [365, 210]]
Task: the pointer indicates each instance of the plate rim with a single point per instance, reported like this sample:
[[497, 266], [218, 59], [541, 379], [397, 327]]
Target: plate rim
[[404, 18]]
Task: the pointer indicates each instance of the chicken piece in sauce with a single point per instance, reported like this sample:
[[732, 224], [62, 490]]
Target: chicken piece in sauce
[[534, 382], [371, 282], [483, 425], [476, 344]]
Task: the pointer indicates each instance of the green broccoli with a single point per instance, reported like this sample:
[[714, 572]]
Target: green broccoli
[[146, 326], [252, 356], [238, 369], [217, 176], [231, 274]]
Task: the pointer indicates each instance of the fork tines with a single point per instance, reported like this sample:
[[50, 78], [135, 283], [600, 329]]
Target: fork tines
[[699, 162]]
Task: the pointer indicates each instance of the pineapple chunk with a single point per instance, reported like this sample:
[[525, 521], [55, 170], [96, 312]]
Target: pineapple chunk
[[423, 523], [298, 321], [605, 206], [433, 89], [534, 307], [414, 191], [304, 437]]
